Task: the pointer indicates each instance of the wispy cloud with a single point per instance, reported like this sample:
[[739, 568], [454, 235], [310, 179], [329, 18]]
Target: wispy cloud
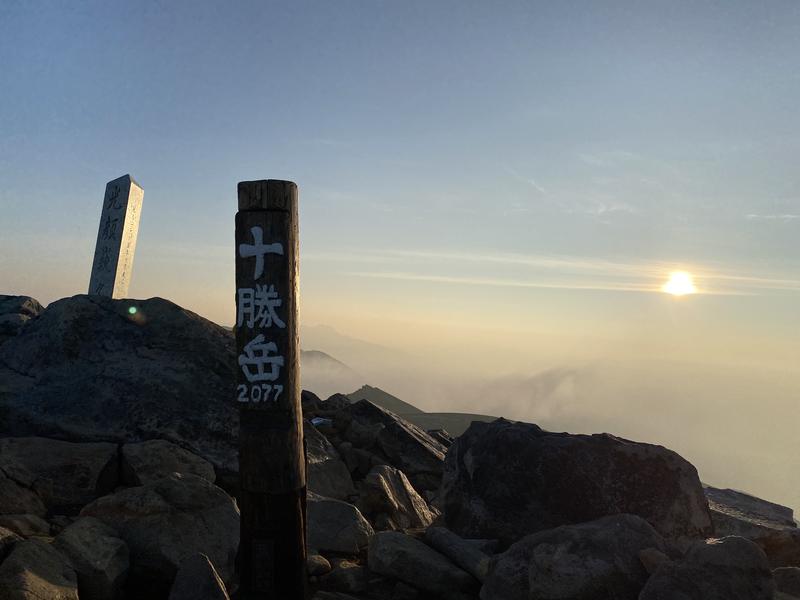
[[555, 272], [778, 217], [529, 180], [517, 283]]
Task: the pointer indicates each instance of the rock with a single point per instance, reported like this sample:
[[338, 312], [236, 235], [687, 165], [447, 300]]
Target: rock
[[386, 490], [652, 559], [146, 462], [359, 462], [336, 402], [26, 525], [599, 559], [88, 369], [485, 546], [403, 591], [66, 475], [197, 579], [99, 558], [730, 568], [15, 313], [442, 436], [787, 580], [327, 473], [336, 526], [400, 556], [310, 402], [769, 525], [36, 571], [503, 480], [16, 492], [459, 550], [323, 595], [405, 446], [165, 521], [7, 540], [740, 505], [781, 547], [737, 513], [317, 565], [59, 523], [346, 576]]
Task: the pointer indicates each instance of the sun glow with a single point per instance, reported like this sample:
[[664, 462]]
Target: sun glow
[[680, 284]]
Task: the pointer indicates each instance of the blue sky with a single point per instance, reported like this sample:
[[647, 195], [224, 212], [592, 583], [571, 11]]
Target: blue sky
[[603, 133], [657, 137], [490, 188]]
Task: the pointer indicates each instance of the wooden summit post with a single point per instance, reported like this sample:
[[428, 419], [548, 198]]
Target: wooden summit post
[[272, 468]]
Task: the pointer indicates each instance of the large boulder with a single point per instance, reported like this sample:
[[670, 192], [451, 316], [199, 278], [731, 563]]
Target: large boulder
[[197, 579], [588, 561], [336, 526], [391, 502], [17, 494], [167, 520], [148, 461], [505, 480], [15, 313], [730, 568], [327, 474], [787, 580], [7, 540], [739, 513], [65, 475], [768, 524], [89, 368], [781, 547], [369, 427], [403, 557], [36, 571], [26, 525], [99, 557]]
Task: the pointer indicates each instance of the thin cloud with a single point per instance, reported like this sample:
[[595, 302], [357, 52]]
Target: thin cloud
[[779, 217], [529, 180], [562, 272], [485, 281]]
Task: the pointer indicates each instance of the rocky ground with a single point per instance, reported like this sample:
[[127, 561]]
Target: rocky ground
[[118, 480]]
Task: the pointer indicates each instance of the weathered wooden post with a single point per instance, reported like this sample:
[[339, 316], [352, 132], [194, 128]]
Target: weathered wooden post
[[272, 498]]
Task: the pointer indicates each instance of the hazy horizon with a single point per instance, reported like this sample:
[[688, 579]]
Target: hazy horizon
[[495, 195]]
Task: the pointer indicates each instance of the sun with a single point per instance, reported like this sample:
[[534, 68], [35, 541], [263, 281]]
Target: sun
[[680, 284]]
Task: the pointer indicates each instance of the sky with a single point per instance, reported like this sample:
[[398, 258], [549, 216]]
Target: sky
[[491, 189]]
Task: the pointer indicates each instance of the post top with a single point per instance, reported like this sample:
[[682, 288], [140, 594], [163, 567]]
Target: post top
[[125, 178], [267, 194]]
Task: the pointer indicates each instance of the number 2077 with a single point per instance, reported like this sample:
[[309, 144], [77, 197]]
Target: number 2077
[[259, 393]]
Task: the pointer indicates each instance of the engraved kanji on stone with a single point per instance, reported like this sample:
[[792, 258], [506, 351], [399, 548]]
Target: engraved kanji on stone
[[104, 262], [110, 228], [114, 200], [259, 249], [257, 362]]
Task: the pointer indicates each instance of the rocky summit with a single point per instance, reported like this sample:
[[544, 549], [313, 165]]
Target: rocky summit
[[118, 470]]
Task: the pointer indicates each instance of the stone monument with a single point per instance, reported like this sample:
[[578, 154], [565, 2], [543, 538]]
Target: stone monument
[[116, 238]]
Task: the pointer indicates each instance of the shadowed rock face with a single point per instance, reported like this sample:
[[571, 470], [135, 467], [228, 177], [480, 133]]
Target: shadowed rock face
[[506, 480], [406, 446], [730, 568], [588, 561], [88, 369]]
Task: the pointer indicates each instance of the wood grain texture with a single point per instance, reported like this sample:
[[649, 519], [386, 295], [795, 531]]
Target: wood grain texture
[[268, 194], [272, 463]]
